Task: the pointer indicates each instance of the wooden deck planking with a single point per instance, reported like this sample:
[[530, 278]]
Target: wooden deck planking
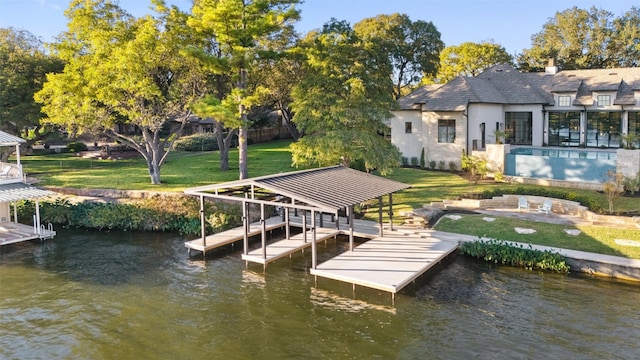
[[285, 247], [386, 263], [11, 233], [230, 236]]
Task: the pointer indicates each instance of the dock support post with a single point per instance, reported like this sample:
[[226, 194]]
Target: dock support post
[[314, 249], [350, 219], [263, 223], [321, 218], [245, 226], [380, 215], [336, 217], [304, 226], [287, 229], [203, 228], [391, 211], [38, 231]]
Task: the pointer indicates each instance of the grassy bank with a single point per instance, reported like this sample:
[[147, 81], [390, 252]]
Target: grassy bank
[[596, 239], [188, 169]]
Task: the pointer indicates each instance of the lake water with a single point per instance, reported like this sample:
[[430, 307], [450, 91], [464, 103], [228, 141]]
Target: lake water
[[138, 296]]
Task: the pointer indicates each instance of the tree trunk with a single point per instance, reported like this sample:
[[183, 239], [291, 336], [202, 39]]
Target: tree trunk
[[242, 134], [154, 173], [286, 115], [242, 152], [224, 144]]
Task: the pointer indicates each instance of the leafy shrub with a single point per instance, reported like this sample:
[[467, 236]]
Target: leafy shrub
[[405, 161], [159, 213], [77, 146], [632, 184], [453, 166], [432, 164], [441, 165], [422, 159], [197, 142], [414, 161], [501, 252]]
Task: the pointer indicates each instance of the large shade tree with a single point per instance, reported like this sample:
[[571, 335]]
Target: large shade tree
[[585, 39], [413, 47], [122, 70], [470, 59], [343, 102], [24, 64], [242, 30]]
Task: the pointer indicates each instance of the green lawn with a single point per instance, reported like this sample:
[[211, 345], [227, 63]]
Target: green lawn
[[180, 171], [596, 239], [187, 169]]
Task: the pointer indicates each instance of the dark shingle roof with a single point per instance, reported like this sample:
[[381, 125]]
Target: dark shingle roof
[[501, 84], [416, 98]]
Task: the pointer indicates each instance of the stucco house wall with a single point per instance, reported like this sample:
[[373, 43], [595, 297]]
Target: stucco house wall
[[446, 152], [410, 145]]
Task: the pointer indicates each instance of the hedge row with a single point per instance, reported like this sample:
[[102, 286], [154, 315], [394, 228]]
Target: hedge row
[[180, 214], [501, 252]]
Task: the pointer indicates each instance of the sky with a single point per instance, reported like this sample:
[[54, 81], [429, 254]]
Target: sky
[[509, 23]]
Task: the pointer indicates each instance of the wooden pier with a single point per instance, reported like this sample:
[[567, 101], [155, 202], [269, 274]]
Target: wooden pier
[[230, 236], [387, 263], [285, 247], [11, 233]]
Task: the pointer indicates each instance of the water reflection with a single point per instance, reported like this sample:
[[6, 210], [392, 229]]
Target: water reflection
[[131, 296]]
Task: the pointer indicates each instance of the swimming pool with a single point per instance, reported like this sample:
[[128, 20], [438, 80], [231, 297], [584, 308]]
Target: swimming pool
[[560, 164]]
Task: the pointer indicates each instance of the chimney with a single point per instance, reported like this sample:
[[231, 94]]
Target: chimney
[[551, 68]]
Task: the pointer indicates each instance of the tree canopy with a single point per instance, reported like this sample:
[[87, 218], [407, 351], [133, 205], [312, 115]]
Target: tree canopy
[[24, 64], [123, 72], [342, 103], [242, 31], [470, 59], [585, 39], [413, 47]]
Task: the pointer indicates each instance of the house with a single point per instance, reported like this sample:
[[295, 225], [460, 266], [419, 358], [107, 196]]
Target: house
[[574, 108], [12, 189]]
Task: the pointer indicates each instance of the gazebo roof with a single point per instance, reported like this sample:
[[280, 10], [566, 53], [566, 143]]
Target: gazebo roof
[[10, 140], [327, 189], [21, 191]]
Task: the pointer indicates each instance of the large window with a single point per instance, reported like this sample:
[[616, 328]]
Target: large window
[[446, 131], [634, 123], [603, 129], [564, 128], [518, 127]]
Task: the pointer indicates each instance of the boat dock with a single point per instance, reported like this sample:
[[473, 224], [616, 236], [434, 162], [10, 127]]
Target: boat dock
[[11, 233], [387, 263], [322, 203]]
